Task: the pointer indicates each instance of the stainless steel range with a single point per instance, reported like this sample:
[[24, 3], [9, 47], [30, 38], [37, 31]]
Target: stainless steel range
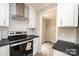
[[19, 45], [16, 36]]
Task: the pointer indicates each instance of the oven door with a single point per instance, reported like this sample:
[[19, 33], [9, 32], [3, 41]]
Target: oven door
[[22, 49]]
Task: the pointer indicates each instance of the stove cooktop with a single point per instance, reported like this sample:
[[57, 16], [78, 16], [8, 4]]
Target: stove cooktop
[[16, 37], [13, 36]]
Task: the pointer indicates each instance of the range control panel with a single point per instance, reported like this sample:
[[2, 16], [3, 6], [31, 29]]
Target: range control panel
[[12, 33]]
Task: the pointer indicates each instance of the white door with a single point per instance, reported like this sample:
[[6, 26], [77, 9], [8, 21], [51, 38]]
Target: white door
[[32, 17], [65, 14]]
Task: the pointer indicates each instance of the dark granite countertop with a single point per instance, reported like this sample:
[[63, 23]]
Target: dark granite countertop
[[29, 37], [5, 41], [67, 47]]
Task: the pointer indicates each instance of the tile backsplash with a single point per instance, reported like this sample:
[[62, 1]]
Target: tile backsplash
[[4, 32], [67, 34]]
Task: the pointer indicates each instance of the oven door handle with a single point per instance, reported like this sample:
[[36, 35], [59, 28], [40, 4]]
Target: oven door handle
[[19, 43]]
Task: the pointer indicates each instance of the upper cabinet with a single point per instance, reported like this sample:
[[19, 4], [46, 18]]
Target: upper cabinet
[[32, 17], [67, 15], [4, 14]]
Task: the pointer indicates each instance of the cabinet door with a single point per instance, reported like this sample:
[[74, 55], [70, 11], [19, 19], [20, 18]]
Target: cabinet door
[[6, 19], [7, 50], [65, 14], [76, 8], [35, 46], [32, 17], [4, 50], [4, 14], [59, 16]]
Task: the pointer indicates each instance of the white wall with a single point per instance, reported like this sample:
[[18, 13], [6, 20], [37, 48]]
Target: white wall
[[4, 32], [44, 27], [51, 30], [48, 30]]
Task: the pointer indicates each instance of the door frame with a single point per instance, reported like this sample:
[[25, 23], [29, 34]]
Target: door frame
[[41, 16]]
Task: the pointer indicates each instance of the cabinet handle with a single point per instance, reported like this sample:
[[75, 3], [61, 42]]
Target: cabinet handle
[[4, 21], [60, 22]]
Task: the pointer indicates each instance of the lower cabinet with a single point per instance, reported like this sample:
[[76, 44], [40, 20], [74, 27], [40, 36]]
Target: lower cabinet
[[4, 50], [59, 53], [35, 46]]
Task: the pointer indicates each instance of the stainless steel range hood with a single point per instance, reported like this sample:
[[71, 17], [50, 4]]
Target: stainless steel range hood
[[18, 17], [20, 12]]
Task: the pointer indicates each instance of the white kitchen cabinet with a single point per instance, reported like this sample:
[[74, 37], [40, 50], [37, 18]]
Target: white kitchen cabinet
[[4, 14], [59, 53], [32, 17], [35, 46], [67, 15], [4, 50]]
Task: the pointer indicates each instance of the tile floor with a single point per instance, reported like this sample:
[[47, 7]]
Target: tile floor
[[46, 49]]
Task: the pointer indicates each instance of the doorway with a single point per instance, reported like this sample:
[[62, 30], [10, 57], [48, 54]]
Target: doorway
[[48, 26]]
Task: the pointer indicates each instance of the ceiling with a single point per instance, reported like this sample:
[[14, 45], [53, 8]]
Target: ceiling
[[50, 15], [38, 6]]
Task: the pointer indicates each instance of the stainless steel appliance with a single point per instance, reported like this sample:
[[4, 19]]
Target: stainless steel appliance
[[19, 45], [20, 11]]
